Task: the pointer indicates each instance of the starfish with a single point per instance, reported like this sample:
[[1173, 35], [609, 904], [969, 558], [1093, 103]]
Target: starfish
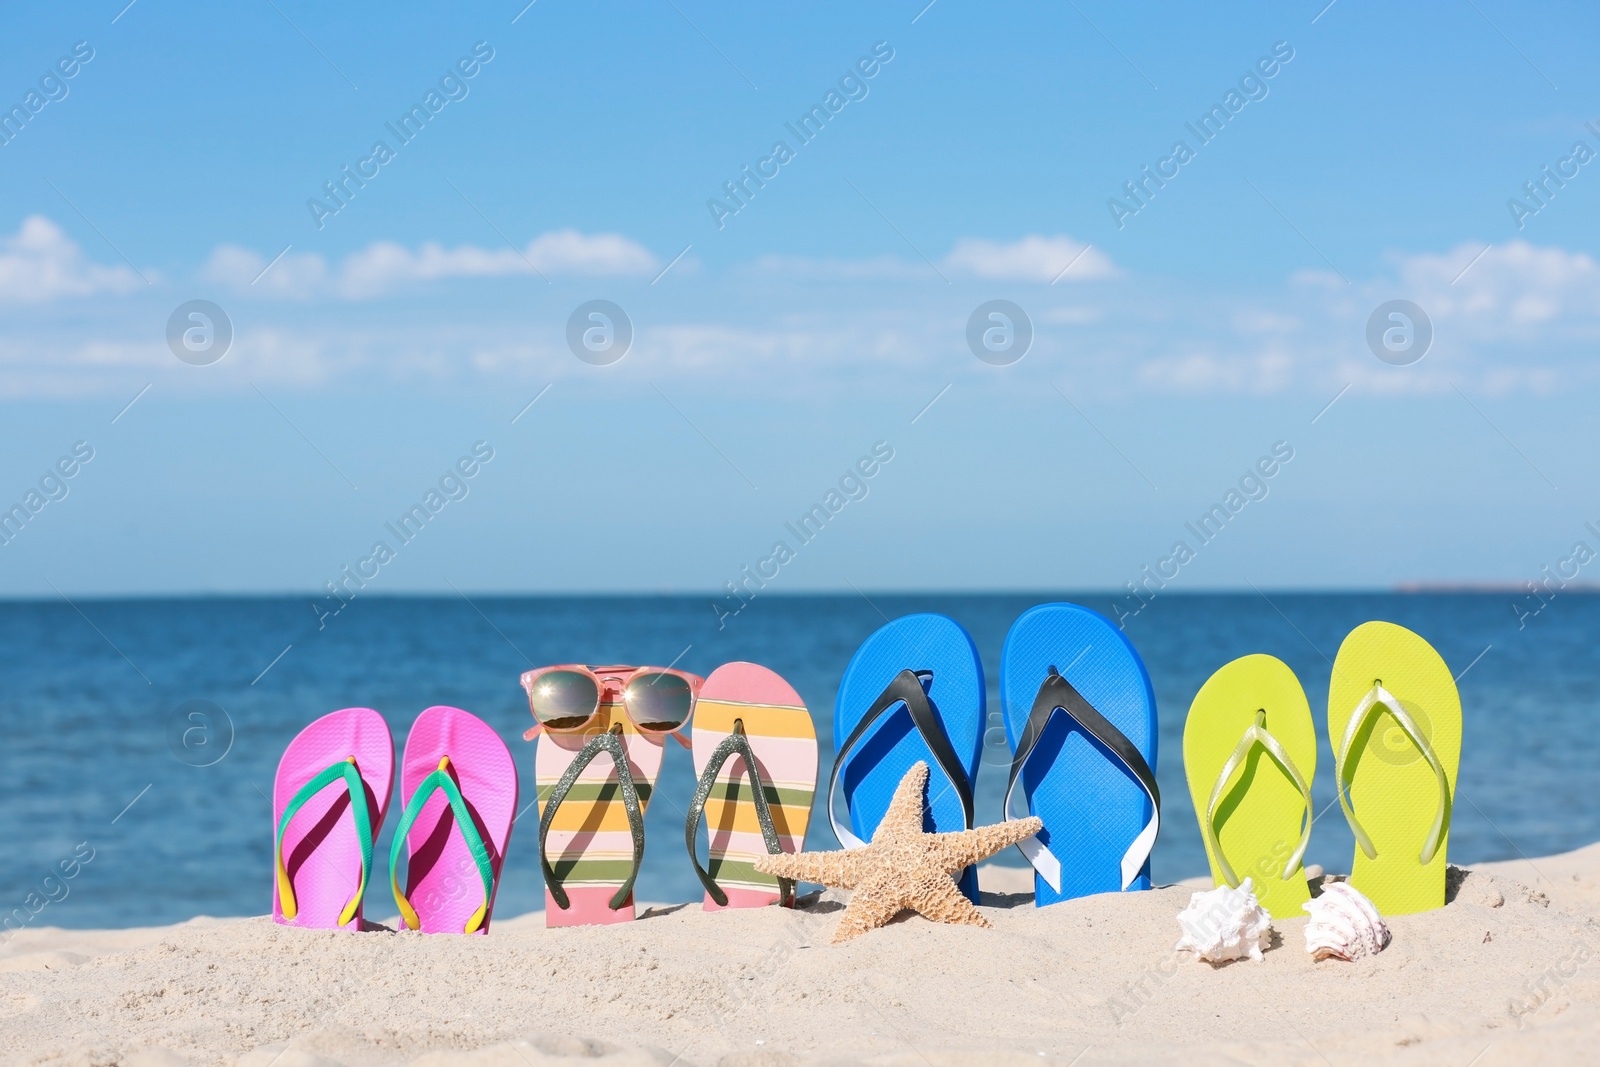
[[903, 868]]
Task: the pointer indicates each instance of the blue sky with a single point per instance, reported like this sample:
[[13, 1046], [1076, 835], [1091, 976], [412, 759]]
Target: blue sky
[[1171, 353]]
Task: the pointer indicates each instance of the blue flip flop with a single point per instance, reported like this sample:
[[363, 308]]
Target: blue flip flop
[[1081, 721], [913, 691]]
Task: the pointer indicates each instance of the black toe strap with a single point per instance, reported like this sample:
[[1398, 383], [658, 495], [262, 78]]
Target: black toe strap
[[738, 744], [610, 743], [907, 689], [1057, 694]]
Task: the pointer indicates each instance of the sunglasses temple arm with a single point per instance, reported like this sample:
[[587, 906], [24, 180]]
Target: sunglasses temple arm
[[682, 738], [532, 732]]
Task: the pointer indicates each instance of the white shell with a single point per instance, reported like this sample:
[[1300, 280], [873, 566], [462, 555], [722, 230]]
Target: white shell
[[1225, 924], [1344, 925]]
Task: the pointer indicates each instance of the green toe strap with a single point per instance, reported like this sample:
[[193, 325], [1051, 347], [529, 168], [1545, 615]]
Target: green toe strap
[[1257, 734], [610, 743], [441, 781], [347, 772], [735, 743], [1380, 697]]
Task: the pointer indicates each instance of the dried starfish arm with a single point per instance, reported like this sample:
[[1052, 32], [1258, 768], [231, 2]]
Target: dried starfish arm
[[904, 817], [879, 899], [967, 847], [838, 870], [939, 899]]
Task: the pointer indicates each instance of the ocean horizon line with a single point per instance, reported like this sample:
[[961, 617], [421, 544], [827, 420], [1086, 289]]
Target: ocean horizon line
[[1463, 588]]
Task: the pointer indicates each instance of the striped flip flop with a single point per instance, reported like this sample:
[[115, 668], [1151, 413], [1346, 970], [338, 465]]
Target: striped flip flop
[[591, 834], [755, 751]]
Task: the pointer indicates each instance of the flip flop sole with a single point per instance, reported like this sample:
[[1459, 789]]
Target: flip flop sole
[[1392, 789], [1259, 817], [1092, 806], [876, 765], [444, 885], [590, 845], [784, 739], [320, 848]]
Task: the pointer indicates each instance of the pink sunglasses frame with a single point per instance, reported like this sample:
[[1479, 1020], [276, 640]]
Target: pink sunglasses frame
[[608, 678]]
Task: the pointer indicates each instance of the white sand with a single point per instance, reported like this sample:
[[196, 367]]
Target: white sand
[[1511, 966]]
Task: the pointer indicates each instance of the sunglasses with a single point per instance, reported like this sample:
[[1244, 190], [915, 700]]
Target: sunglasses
[[568, 698]]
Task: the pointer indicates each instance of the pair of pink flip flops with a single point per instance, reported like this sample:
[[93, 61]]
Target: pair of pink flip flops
[[330, 798]]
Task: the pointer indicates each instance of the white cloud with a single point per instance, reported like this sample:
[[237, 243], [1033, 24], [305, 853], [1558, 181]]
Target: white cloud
[[40, 262], [1511, 317], [1032, 259], [1509, 289], [1268, 371], [384, 266], [1259, 322], [571, 252], [1521, 318], [1072, 316], [831, 269], [295, 274]]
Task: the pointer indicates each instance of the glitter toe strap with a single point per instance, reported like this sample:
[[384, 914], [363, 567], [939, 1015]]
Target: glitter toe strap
[[610, 743], [735, 744]]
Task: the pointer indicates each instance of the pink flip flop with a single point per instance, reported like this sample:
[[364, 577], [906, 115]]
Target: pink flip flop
[[461, 790], [328, 802]]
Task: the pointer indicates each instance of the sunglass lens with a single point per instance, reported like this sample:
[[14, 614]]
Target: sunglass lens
[[563, 699], [659, 701]]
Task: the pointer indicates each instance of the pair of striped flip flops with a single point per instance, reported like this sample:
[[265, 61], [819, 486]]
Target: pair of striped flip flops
[[755, 752], [1079, 718], [329, 800], [1394, 723]]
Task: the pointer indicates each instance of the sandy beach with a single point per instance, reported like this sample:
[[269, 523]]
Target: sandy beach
[[1504, 973]]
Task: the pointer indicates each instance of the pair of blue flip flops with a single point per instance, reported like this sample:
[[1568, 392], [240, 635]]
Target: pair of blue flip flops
[[1080, 718]]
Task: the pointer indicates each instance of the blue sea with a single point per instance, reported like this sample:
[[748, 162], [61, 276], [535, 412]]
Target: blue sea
[[101, 745]]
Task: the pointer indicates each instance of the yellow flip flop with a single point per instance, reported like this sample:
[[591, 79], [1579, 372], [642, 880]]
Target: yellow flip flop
[[1250, 752], [1394, 718]]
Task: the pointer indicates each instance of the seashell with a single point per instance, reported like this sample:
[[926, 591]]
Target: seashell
[[1224, 924], [1344, 925]]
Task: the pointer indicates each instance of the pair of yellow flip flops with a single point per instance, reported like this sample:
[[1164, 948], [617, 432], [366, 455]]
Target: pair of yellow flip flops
[[1394, 722]]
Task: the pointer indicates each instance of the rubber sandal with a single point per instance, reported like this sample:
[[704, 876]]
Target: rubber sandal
[[755, 751], [461, 787], [1080, 718], [913, 691], [328, 802], [1250, 753], [591, 813], [1394, 717]]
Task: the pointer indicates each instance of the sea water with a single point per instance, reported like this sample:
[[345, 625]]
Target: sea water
[[145, 733]]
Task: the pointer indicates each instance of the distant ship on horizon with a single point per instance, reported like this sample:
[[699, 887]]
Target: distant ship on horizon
[[1487, 587]]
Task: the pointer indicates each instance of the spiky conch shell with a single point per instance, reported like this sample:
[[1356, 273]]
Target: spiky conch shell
[[1224, 924], [1344, 925]]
